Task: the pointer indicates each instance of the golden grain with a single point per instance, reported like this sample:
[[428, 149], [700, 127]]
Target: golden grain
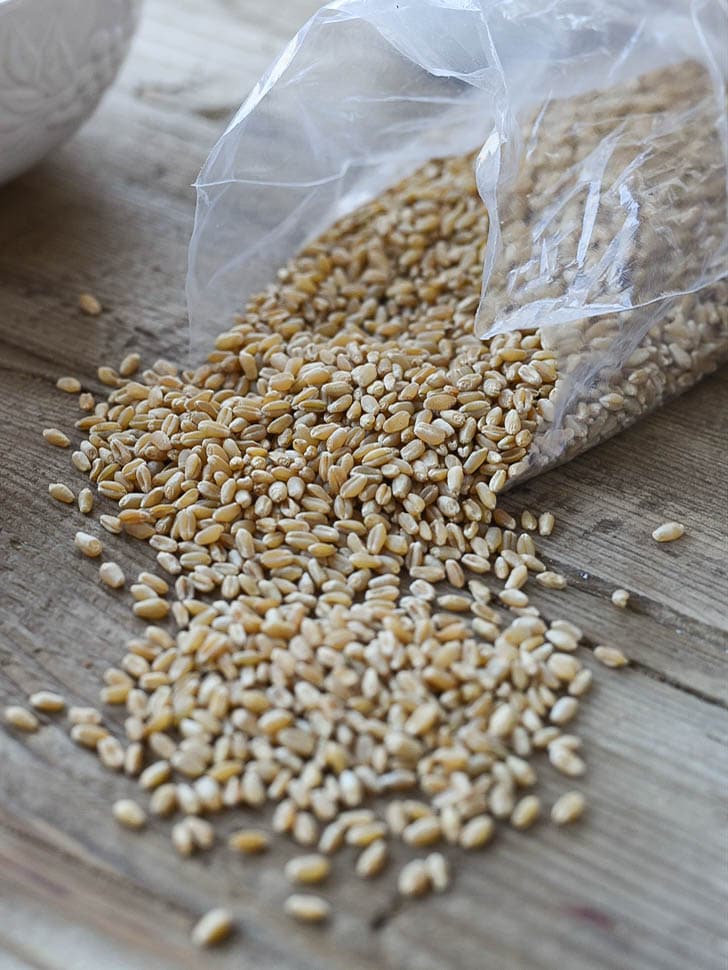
[[111, 523], [307, 868], [372, 860], [47, 701], [248, 841], [423, 831], [89, 305], [566, 761], [514, 598], [20, 718], [526, 812], [152, 608], [581, 683], [61, 493], [564, 710], [85, 501], [213, 928], [546, 523], [81, 461], [438, 870], [87, 734], [129, 814], [70, 385], [155, 774], [84, 715], [414, 878], [610, 656], [129, 365], [57, 438], [568, 808], [110, 753], [477, 832], [87, 544], [307, 908], [551, 580], [668, 532], [112, 575]]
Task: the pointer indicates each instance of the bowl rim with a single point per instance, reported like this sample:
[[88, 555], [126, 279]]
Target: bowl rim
[[12, 3], [18, 3]]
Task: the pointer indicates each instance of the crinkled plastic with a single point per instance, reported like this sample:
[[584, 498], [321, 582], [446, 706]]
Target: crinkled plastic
[[369, 89], [633, 221]]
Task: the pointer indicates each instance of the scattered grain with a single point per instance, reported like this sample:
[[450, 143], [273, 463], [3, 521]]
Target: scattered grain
[[89, 305], [47, 701], [568, 808], [88, 734], [61, 493], [248, 841], [152, 608], [414, 878], [213, 928], [477, 832], [85, 501], [551, 580], [581, 683], [308, 868], [372, 860], [526, 812], [129, 365], [564, 710], [307, 908], [348, 434], [84, 715], [20, 718], [610, 657], [57, 438], [515, 598], [546, 524], [668, 532], [111, 753], [129, 813], [423, 831], [111, 574], [89, 545], [70, 385], [439, 871]]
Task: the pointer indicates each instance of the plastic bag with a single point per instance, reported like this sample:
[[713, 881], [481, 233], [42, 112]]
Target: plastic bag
[[602, 159]]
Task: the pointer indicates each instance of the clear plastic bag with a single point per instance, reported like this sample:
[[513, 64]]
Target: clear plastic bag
[[602, 159]]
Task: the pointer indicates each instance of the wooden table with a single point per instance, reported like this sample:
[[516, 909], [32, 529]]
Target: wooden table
[[637, 886]]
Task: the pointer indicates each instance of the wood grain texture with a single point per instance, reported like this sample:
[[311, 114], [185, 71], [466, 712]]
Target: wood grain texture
[[638, 886]]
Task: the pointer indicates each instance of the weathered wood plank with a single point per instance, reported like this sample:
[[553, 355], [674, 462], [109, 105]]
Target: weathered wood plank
[[639, 884]]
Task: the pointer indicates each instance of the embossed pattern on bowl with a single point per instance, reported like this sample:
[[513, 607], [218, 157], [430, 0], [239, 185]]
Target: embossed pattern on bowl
[[57, 57]]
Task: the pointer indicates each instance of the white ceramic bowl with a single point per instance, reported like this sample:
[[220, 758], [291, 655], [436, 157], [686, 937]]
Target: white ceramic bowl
[[57, 57]]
